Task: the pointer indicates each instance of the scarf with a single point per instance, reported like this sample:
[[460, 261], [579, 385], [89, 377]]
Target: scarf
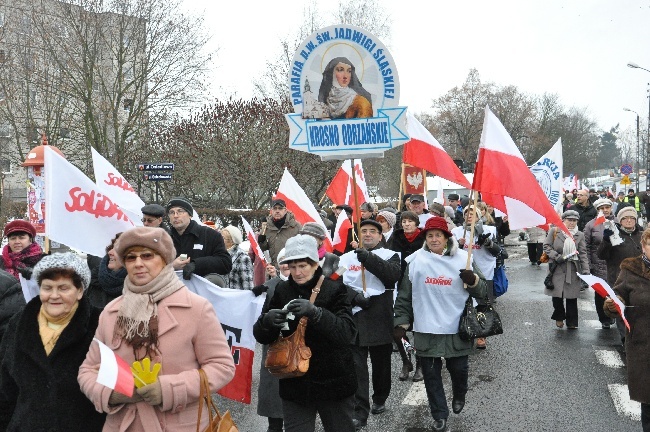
[[339, 98], [279, 223], [111, 281], [410, 237], [26, 258], [645, 260], [629, 231], [322, 251], [137, 319], [50, 328], [569, 246]]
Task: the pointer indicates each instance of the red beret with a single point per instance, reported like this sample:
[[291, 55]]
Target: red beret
[[437, 223], [18, 226]]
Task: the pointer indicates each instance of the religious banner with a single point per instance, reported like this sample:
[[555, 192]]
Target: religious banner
[[548, 172], [344, 89], [414, 180]]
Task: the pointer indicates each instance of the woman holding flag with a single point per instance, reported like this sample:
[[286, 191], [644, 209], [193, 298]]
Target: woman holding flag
[[43, 348], [166, 332], [632, 288]]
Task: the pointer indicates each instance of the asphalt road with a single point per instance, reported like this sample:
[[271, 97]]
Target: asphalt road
[[534, 377]]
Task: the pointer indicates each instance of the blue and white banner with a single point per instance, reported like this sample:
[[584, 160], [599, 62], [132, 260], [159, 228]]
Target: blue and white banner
[[548, 172]]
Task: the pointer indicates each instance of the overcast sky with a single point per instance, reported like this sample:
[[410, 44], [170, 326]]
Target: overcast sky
[[578, 49]]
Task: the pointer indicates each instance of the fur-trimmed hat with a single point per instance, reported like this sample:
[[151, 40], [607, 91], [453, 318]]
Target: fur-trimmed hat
[[67, 260], [300, 247], [602, 202], [438, 223], [626, 212], [570, 214], [155, 239], [180, 202], [313, 229], [18, 226], [388, 216], [235, 234]]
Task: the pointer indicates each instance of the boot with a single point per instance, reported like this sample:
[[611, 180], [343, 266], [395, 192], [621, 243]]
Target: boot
[[407, 367], [417, 376]]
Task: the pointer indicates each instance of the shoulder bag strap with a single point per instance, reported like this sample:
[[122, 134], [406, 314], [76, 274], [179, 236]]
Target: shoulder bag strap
[[316, 290], [205, 397]]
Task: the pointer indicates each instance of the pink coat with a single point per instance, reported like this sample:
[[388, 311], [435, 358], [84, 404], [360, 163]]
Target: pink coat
[[189, 337]]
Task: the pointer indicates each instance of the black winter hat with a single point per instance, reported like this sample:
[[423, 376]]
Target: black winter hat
[[180, 202]]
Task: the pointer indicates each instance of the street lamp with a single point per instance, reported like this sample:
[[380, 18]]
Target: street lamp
[[638, 169], [647, 156]]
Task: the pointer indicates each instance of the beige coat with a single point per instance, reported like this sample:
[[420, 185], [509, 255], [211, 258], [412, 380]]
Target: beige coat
[[566, 281]]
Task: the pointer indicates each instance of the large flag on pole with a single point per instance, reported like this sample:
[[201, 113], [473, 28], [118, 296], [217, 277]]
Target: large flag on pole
[[505, 182], [341, 231], [548, 172], [110, 182], [340, 188], [77, 213], [603, 289], [299, 204], [425, 152]]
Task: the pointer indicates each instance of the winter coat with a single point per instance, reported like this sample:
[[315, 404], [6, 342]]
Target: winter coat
[[241, 275], [269, 403], [536, 235], [375, 323], [105, 284], [565, 280], [189, 337], [614, 255], [331, 375], [633, 287], [11, 299], [205, 247], [399, 243], [40, 392], [586, 213], [429, 344], [593, 238], [275, 238]]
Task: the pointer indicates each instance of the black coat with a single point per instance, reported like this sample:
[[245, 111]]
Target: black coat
[[614, 255], [375, 323], [586, 214], [40, 392], [331, 373], [11, 299], [399, 243], [205, 247]]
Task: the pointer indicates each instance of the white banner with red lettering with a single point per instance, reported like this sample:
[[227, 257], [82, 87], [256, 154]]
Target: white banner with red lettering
[[237, 311], [77, 213]]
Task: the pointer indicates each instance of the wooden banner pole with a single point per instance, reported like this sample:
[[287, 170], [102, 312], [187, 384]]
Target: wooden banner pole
[[357, 211]]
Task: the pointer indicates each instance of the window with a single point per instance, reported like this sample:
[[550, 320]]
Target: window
[[5, 130], [5, 166]]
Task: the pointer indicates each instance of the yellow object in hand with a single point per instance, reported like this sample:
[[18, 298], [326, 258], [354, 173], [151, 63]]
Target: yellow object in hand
[[143, 373]]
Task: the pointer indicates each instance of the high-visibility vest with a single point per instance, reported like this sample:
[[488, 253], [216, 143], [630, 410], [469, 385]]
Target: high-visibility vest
[[637, 203]]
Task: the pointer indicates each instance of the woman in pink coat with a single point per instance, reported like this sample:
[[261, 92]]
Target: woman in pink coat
[[159, 319]]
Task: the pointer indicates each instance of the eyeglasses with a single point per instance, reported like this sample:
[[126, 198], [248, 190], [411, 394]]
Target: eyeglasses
[[149, 220], [176, 212], [628, 218], [144, 256]]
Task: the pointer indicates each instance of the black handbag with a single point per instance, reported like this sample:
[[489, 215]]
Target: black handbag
[[548, 281], [474, 324]]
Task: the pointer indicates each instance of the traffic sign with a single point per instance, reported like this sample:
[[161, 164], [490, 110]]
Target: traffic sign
[[157, 177], [156, 167], [627, 169], [625, 180]]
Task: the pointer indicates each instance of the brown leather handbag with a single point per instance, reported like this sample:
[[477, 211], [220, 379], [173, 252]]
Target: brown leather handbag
[[218, 423], [288, 357]]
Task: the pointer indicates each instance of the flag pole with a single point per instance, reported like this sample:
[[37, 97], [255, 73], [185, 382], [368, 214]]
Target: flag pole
[[471, 232], [323, 199], [356, 209], [426, 190], [401, 189]]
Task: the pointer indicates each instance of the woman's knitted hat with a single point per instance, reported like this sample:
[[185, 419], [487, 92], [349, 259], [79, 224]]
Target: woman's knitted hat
[[627, 212], [67, 260], [155, 239], [389, 216], [235, 234]]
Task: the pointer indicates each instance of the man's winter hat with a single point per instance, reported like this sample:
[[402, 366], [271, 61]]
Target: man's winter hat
[[235, 234], [630, 190], [345, 207], [479, 213], [438, 223], [592, 190], [417, 197], [155, 210], [570, 214], [300, 247], [371, 222], [602, 202], [627, 212], [20, 226], [313, 229], [278, 202], [453, 197], [155, 239], [437, 209], [180, 202], [389, 217], [366, 206], [67, 260], [621, 193]]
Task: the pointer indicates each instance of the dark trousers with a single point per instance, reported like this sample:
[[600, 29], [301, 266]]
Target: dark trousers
[[335, 415], [458, 368], [535, 251], [645, 417], [599, 302], [380, 357], [570, 314]]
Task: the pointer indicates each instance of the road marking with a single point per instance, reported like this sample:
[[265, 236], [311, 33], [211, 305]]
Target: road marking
[[586, 305], [624, 406], [593, 323], [417, 395], [609, 358]]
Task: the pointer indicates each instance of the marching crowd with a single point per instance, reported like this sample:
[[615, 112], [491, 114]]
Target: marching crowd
[[401, 284]]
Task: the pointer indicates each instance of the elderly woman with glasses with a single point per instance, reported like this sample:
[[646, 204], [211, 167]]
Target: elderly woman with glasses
[[157, 321], [241, 274]]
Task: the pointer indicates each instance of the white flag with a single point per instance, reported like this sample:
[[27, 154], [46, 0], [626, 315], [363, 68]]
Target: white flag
[[548, 172], [110, 182]]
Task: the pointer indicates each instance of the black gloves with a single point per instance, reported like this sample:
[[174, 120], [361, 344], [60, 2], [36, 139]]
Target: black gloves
[[399, 333], [468, 277], [275, 318], [361, 301], [483, 239], [258, 290], [26, 272], [188, 270], [607, 233], [362, 254], [560, 259], [303, 307]]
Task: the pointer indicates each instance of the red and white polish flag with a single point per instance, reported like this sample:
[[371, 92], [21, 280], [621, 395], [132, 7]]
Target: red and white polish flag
[[253, 241], [505, 181], [343, 227], [299, 203], [114, 372], [340, 190], [425, 152], [603, 289], [600, 218]]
